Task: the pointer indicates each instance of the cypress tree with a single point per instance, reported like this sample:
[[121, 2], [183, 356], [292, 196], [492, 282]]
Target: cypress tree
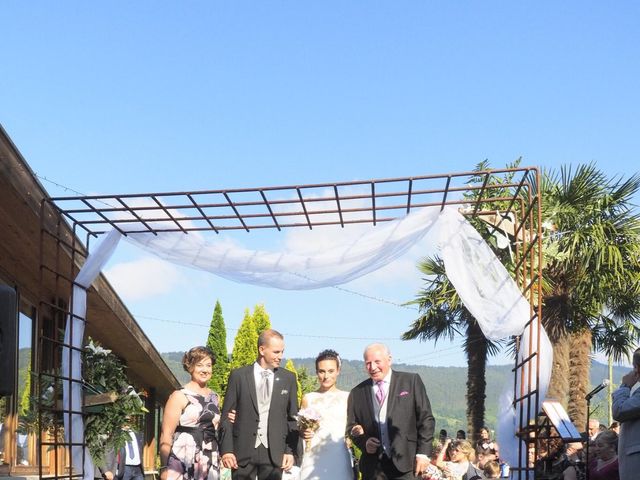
[[261, 318], [292, 368], [245, 345], [217, 342]]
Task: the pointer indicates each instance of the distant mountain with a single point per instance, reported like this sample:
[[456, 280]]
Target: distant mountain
[[446, 386], [174, 362]]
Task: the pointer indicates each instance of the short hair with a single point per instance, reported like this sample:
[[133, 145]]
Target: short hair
[[195, 355], [461, 434], [464, 446], [609, 437], [266, 335], [443, 433], [491, 469], [377, 346], [613, 425], [328, 355]]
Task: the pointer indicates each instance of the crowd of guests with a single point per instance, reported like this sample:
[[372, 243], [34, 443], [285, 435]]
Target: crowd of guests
[[461, 458], [596, 456]]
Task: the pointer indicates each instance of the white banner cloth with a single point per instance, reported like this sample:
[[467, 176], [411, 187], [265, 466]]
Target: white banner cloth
[[293, 270], [74, 336]]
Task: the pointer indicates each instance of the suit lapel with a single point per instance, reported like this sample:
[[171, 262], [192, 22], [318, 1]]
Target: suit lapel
[[391, 396], [277, 387], [369, 400], [251, 382]]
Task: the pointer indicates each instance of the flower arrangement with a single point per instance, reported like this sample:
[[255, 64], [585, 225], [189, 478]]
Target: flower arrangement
[[107, 425], [308, 419]]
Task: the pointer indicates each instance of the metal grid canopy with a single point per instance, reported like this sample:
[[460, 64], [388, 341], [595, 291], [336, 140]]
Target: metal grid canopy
[[307, 206], [313, 206]]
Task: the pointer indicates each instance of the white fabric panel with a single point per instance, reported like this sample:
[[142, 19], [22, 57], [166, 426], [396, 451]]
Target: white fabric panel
[[292, 270], [482, 282], [73, 424]]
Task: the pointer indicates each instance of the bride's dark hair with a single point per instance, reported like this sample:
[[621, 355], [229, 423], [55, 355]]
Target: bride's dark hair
[[328, 355]]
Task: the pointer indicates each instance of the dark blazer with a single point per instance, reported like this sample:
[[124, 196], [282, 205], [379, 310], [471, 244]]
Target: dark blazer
[[410, 423], [240, 437], [122, 457]]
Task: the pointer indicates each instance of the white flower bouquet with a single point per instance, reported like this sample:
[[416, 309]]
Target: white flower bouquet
[[308, 419]]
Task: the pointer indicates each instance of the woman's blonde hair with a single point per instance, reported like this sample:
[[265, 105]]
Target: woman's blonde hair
[[465, 447]]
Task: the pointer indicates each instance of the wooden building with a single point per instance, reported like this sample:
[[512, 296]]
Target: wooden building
[[24, 249]]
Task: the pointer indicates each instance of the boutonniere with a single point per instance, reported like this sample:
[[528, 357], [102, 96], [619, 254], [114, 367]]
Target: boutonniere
[[284, 392], [403, 393]]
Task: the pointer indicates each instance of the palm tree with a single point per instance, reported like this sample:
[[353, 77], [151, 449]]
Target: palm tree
[[443, 316], [592, 255]]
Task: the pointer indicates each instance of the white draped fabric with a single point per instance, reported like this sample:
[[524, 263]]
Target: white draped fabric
[[484, 285], [294, 270], [71, 358]]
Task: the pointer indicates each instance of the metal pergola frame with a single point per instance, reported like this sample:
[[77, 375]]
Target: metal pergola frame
[[303, 206]]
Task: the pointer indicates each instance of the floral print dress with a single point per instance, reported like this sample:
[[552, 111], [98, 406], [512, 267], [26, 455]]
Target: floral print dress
[[194, 452]]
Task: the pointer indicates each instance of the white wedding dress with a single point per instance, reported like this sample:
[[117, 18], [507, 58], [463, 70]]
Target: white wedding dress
[[328, 458]]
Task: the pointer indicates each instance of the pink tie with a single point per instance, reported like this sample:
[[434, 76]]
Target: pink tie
[[380, 392]]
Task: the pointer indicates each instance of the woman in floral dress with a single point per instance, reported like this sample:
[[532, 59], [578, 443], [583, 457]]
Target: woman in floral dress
[[188, 442]]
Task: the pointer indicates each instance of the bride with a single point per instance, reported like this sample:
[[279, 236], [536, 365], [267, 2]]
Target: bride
[[328, 457]]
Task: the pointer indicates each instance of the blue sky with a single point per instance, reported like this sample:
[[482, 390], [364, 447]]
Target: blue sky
[[147, 96]]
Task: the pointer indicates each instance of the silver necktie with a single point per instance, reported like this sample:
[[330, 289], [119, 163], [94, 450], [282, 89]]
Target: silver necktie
[[264, 387]]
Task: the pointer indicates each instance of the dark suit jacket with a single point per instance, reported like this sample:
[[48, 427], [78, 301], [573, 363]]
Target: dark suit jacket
[[410, 423], [122, 457], [240, 437]]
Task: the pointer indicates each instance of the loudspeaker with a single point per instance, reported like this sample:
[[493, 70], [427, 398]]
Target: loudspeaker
[[8, 321]]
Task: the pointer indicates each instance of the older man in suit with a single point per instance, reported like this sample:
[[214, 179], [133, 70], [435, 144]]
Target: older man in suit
[[389, 418], [626, 410], [263, 437]]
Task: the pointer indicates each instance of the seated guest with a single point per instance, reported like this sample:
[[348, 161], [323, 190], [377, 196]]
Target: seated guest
[[438, 444], [605, 464], [485, 455], [484, 442], [615, 426], [460, 466], [491, 469], [594, 428], [572, 467]]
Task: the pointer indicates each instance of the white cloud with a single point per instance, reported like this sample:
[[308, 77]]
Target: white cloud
[[143, 278]]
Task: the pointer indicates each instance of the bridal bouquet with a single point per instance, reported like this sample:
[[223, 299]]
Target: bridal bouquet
[[308, 418]]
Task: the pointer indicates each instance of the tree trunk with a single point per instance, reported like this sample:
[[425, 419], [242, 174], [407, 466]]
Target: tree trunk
[[476, 350], [559, 385], [579, 367]]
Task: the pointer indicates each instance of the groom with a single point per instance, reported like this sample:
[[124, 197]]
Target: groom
[[389, 418], [263, 438]]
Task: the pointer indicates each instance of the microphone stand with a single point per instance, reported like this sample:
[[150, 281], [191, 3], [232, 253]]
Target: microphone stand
[[588, 398], [586, 462]]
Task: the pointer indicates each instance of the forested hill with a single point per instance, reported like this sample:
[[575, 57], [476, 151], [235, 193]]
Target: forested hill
[[446, 386]]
